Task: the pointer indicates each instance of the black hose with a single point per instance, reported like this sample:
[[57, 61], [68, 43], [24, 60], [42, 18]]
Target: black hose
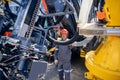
[[63, 42], [77, 6]]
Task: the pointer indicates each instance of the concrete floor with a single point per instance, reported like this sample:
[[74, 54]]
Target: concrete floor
[[78, 69]]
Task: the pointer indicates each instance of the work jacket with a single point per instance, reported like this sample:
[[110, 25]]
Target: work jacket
[[62, 53]]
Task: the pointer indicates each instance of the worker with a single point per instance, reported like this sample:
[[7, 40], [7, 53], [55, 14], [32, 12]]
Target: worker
[[63, 57]]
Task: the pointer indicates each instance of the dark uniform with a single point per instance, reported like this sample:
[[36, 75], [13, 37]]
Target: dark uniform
[[63, 55]]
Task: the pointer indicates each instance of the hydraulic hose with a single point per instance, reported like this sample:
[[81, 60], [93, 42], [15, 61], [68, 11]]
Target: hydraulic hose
[[63, 42]]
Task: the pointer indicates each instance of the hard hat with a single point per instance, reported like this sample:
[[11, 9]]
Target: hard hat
[[64, 31]]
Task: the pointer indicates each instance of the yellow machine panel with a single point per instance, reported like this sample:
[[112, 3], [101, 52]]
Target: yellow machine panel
[[112, 9]]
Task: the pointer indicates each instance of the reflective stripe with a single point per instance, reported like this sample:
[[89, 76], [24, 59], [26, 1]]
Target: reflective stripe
[[60, 69], [67, 71]]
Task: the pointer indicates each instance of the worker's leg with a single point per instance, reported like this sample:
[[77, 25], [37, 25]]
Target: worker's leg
[[60, 71], [67, 75], [67, 68]]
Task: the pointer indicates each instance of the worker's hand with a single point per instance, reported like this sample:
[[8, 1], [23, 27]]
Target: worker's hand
[[56, 62]]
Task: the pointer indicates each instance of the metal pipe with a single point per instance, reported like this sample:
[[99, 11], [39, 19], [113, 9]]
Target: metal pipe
[[94, 29], [112, 32], [99, 31], [83, 43], [85, 10], [56, 14]]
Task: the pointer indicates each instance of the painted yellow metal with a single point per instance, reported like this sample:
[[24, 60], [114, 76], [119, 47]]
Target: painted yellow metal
[[4, 1], [51, 49], [112, 9], [9, 0], [104, 63], [82, 53]]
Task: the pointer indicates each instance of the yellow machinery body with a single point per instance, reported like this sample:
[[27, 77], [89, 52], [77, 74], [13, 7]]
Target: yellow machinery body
[[104, 63]]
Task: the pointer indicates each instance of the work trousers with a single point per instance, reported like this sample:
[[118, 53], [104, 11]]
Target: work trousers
[[64, 69]]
